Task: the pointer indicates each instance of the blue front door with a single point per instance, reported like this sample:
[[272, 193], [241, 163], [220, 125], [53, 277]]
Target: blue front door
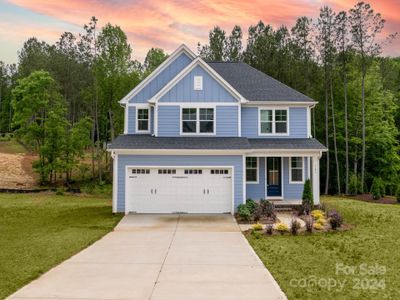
[[274, 178]]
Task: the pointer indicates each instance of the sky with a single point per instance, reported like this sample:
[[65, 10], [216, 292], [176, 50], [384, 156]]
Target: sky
[[163, 23]]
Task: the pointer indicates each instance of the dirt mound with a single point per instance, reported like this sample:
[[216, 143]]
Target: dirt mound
[[16, 171]]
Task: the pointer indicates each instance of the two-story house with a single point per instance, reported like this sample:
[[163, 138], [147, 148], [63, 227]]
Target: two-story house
[[202, 137]]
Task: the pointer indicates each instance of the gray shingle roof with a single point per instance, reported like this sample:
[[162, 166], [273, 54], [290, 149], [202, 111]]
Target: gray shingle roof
[[254, 85], [284, 143], [132, 141]]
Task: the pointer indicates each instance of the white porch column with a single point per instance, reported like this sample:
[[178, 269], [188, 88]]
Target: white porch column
[[315, 178], [115, 182]]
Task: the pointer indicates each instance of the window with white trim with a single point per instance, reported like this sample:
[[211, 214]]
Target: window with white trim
[[273, 121], [296, 170], [143, 120], [251, 169], [198, 120]]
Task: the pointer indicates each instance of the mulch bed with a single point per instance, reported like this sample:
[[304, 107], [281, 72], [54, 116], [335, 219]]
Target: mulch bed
[[368, 198]]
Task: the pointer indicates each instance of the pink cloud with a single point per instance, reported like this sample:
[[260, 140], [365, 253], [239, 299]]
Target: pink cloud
[[166, 24]]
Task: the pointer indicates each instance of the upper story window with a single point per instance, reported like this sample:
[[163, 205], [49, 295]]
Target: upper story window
[[273, 121], [143, 116], [296, 170], [251, 169], [198, 83], [198, 121]]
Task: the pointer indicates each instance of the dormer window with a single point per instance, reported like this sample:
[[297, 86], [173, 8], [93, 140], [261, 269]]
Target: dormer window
[[143, 124], [198, 83]]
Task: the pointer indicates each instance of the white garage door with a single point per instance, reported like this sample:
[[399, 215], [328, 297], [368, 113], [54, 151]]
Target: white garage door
[[171, 190]]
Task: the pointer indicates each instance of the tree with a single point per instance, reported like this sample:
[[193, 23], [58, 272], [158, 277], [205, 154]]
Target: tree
[[154, 58], [365, 26], [215, 51], [234, 45]]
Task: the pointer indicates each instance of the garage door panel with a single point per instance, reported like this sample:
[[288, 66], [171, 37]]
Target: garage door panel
[[184, 189]]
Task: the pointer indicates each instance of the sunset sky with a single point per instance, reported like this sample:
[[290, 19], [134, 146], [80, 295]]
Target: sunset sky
[[162, 23]]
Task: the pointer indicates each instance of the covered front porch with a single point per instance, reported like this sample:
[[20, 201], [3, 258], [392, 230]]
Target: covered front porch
[[279, 175]]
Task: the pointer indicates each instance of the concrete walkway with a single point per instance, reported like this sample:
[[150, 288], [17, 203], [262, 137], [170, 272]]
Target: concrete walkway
[[161, 257]]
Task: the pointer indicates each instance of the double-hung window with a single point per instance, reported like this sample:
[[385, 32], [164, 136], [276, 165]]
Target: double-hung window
[[198, 121], [143, 116], [251, 169], [296, 170], [273, 121]]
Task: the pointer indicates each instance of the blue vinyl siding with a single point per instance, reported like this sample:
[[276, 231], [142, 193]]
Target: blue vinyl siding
[[184, 91], [168, 120], [158, 82], [226, 120], [131, 119], [179, 160], [291, 191], [297, 123], [256, 191]]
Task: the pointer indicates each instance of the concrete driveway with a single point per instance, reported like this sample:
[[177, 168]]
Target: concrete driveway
[[161, 257]]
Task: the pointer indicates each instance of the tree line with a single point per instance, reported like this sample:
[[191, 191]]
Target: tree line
[[335, 59]]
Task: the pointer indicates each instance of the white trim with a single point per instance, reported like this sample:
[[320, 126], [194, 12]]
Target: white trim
[[196, 62], [283, 152], [308, 167], [273, 121], [146, 106], [199, 104], [198, 133], [278, 103], [239, 121], [115, 183], [257, 168], [315, 178], [155, 124], [244, 179], [126, 119], [309, 122], [177, 152], [302, 171], [266, 180], [183, 167], [181, 49]]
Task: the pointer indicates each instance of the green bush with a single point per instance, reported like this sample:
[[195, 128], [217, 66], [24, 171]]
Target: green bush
[[244, 212], [377, 188], [307, 198], [267, 208], [353, 185], [251, 205], [398, 193]]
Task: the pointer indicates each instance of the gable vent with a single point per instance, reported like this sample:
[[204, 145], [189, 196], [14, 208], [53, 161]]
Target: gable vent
[[198, 83]]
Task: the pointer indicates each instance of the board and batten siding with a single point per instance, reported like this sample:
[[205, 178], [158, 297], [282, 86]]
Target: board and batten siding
[[179, 160], [297, 123], [226, 120], [184, 91], [256, 191], [159, 81], [132, 120]]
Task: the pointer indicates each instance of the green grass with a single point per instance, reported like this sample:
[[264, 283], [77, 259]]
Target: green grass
[[38, 231], [11, 147], [375, 239]]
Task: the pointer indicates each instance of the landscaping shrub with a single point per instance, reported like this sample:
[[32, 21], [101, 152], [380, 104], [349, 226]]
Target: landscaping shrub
[[244, 212], [317, 214], [251, 205], [268, 209], [257, 234], [309, 223], [377, 188], [353, 185], [257, 227], [321, 221], [294, 226], [335, 219], [257, 213], [269, 229], [282, 228], [317, 226], [307, 197]]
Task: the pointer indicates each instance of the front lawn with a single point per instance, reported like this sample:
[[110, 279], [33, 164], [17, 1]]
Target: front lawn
[[362, 263], [38, 231]]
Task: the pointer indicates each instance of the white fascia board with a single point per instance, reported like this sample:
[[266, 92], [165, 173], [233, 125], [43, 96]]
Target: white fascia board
[[182, 48], [176, 152], [196, 62], [284, 152], [280, 103]]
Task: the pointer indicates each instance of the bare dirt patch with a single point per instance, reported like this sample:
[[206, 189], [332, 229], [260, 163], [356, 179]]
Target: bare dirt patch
[[369, 198], [16, 171]]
